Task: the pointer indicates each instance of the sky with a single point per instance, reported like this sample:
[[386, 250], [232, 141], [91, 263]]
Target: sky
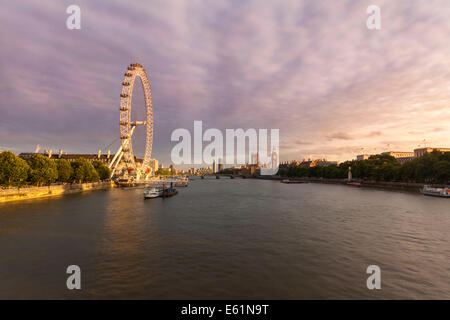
[[310, 68]]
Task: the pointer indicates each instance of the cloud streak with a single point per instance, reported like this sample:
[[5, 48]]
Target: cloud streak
[[310, 68]]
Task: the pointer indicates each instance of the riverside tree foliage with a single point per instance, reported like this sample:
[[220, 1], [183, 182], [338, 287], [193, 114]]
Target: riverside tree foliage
[[164, 172], [84, 171], [432, 167], [13, 170], [64, 170], [40, 170], [103, 171]]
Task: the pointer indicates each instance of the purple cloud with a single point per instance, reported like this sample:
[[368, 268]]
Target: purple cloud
[[310, 68]]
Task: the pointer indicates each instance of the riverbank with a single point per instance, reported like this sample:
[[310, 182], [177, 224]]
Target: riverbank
[[412, 186], [25, 193], [386, 185]]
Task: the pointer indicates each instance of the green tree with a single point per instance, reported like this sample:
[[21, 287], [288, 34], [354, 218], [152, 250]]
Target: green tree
[[407, 171], [83, 171], [442, 169], [13, 170], [164, 172], [227, 171], [64, 170], [432, 167], [103, 171], [42, 170]]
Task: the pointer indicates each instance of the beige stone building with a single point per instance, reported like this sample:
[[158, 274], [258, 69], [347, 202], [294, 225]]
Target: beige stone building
[[153, 165], [421, 151], [404, 156], [105, 158], [399, 154], [318, 162], [362, 157]]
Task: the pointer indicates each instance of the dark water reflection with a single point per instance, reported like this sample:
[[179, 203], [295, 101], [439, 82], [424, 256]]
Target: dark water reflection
[[226, 238]]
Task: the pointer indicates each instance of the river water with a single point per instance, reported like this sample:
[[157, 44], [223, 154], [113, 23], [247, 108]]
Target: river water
[[228, 239]]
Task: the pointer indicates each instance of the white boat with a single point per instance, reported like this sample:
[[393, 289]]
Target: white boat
[[182, 182], [152, 193], [179, 182], [436, 192]]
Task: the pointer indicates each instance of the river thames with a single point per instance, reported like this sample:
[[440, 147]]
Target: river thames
[[228, 239]]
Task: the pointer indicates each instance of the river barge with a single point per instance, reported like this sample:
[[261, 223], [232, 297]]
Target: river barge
[[436, 192]]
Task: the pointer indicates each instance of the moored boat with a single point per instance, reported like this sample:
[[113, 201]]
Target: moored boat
[[292, 181], [169, 192], [354, 184], [182, 182], [152, 193], [436, 192]]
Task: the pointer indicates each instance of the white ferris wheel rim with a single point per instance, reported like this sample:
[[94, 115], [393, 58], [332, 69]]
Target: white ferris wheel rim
[[135, 70]]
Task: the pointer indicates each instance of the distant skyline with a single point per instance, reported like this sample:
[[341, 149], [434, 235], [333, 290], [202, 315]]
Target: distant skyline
[[310, 68]]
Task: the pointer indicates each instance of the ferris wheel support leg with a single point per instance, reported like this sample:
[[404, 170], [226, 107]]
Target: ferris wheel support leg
[[119, 151], [113, 170]]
